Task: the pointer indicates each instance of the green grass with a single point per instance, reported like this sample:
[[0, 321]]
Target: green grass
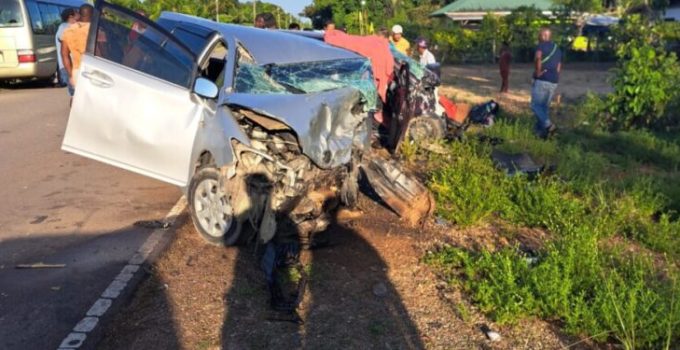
[[611, 205]]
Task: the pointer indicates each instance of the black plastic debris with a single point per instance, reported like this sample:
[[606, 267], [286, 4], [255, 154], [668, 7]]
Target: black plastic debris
[[516, 163], [491, 140], [484, 114]]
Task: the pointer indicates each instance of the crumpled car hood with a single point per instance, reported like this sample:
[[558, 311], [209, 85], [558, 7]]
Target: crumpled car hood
[[324, 122]]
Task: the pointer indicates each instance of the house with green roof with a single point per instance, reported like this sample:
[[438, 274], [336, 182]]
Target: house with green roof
[[474, 10]]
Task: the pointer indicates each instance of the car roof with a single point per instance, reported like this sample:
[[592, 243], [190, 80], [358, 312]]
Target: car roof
[[269, 46]]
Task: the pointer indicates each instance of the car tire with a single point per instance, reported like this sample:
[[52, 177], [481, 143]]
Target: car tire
[[426, 128], [211, 209]]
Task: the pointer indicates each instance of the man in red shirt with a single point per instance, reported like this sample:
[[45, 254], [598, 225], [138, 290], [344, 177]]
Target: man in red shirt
[[504, 63]]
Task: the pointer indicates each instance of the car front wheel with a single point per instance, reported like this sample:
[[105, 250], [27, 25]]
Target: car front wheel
[[211, 208]]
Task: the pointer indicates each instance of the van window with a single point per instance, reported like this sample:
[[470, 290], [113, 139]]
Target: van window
[[37, 23], [50, 16], [10, 14]]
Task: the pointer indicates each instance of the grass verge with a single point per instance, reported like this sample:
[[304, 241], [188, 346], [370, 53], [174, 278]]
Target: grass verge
[[610, 271]]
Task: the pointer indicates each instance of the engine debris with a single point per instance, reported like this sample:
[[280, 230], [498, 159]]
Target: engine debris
[[400, 191]]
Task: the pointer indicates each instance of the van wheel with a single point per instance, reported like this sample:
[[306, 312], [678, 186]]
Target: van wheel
[[211, 209]]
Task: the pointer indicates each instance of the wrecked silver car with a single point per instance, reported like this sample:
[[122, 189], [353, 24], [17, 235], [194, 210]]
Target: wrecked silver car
[[254, 125]]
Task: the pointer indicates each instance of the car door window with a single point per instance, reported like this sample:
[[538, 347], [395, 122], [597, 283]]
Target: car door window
[[214, 66], [194, 41], [133, 41]]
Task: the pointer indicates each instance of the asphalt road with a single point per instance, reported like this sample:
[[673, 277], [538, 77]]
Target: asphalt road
[[59, 208]]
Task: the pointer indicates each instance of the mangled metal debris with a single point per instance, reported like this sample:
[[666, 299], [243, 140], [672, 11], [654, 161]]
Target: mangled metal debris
[[400, 191]]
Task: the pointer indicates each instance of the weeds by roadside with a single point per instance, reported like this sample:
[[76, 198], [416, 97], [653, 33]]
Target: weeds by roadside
[[610, 193]]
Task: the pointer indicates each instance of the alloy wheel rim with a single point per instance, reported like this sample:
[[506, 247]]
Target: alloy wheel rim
[[213, 210]]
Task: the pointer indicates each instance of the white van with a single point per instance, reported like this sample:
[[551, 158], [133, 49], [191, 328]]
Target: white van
[[27, 29]]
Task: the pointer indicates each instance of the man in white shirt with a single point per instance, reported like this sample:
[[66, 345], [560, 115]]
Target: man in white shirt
[[68, 17], [426, 57]]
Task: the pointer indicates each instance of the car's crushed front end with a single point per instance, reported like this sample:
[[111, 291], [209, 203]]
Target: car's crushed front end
[[297, 116], [308, 122], [302, 160]]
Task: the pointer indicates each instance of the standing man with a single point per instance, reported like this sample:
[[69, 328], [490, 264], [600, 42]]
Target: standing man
[[402, 45], [426, 57], [74, 42], [68, 17], [504, 64], [548, 64]]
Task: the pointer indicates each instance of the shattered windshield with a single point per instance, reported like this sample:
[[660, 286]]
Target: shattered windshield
[[417, 69], [308, 77]]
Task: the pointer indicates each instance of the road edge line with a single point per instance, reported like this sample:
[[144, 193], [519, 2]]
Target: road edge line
[[76, 338]]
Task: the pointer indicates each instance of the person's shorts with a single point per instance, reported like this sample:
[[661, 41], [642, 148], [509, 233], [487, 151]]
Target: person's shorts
[[65, 80]]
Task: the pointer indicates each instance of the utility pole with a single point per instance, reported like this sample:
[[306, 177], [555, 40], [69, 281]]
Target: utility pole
[[254, 10], [217, 11], [362, 19]]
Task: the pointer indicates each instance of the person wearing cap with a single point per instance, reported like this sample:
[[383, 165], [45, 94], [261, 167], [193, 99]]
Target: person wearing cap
[[426, 57], [400, 43]]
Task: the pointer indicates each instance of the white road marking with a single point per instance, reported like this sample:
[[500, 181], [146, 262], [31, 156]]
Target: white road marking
[[114, 289], [73, 340], [99, 307], [76, 338], [126, 274], [87, 324]]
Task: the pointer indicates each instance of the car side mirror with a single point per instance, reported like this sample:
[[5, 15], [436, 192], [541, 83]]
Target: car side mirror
[[205, 88]]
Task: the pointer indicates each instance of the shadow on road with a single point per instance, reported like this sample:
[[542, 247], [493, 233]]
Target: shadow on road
[[40, 306], [28, 85], [348, 302], [204, 297]]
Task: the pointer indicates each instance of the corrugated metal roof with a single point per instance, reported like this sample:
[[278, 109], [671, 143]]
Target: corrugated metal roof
[[491, 6]]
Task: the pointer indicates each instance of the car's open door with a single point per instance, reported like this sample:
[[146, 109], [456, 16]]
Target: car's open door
[[134, 107]]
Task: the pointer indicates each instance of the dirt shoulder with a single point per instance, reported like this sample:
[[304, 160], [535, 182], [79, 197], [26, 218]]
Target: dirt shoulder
[[480, 83], [368, 290]]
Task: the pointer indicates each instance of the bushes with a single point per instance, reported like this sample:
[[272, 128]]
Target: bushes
[[595, 292], [520, 28], [646, 78], [644, 86], [466, 197], [604, 274]]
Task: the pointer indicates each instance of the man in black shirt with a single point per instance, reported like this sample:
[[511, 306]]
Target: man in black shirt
[[547, 64]]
